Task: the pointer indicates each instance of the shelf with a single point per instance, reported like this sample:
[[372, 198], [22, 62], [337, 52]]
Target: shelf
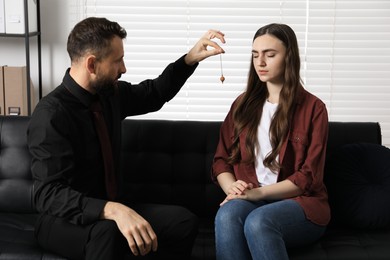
[[26, 37], [14, 35]]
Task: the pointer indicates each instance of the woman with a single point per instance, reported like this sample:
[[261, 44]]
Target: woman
[[270, 157]]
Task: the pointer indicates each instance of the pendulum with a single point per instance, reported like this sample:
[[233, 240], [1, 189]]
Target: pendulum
[[222, 78]]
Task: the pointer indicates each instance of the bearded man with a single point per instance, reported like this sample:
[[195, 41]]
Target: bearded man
[[75, 168]]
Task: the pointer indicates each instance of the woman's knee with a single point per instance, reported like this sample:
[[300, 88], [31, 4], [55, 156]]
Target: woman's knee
[[259, 222], [233, 212], [226, 214], [273, 217]]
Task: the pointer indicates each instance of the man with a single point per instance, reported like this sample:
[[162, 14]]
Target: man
[[82, 214]]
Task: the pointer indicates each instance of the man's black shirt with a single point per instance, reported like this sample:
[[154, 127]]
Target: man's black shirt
[[67, 163]]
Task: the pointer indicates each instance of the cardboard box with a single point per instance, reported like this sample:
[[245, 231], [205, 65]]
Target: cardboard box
[[15, 91], [2, 106], [15, 16], [2, 17]]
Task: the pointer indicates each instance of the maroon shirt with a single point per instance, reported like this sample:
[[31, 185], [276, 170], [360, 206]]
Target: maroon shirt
[[302, 156]]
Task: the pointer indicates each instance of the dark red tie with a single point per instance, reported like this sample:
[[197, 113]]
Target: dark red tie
[[105, 145]]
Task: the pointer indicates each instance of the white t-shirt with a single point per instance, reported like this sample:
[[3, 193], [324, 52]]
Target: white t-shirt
[[264, 175]]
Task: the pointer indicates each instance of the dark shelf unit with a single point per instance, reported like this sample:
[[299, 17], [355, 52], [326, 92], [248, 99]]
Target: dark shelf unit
[[27, 35]]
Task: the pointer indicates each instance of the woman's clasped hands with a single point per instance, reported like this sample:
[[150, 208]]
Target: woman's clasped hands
[[241, 190]]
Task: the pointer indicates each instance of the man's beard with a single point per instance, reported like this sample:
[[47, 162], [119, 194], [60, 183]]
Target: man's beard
[[104, 86]]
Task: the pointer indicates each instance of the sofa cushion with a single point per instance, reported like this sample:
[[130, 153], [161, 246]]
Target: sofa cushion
[[358, 181], [15, 176], [17, 238]]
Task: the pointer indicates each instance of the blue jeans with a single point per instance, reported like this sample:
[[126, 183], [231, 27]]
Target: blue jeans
[[262, 230]]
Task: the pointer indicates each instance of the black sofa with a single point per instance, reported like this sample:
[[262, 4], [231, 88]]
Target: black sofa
[[173, 159]]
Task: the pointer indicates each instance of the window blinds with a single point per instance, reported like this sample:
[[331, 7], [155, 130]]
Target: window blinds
[[344, 48]]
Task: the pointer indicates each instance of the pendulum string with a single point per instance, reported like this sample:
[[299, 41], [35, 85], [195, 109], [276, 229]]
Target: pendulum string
[[222, 78]]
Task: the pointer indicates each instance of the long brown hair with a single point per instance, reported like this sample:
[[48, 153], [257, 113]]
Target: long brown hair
[[249, 108]]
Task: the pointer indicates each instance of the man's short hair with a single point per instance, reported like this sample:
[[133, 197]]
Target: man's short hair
[[93, 35]]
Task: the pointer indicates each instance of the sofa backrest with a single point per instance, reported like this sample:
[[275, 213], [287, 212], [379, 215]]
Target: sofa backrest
[[163, 161], [341, 133], [169, 161], [15, 175]]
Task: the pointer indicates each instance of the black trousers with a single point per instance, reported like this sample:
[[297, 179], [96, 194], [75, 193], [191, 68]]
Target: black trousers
[[176, 229]]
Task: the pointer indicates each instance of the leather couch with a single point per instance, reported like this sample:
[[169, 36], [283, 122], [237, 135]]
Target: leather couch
[[172, 159]]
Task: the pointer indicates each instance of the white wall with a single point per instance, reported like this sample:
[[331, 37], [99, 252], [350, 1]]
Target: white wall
[[57, 19]]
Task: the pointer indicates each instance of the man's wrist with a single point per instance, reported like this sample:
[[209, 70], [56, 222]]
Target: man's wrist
[[108, 211], [189, 61]]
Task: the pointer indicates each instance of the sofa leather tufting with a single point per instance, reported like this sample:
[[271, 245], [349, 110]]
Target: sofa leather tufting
[[179, 156]]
